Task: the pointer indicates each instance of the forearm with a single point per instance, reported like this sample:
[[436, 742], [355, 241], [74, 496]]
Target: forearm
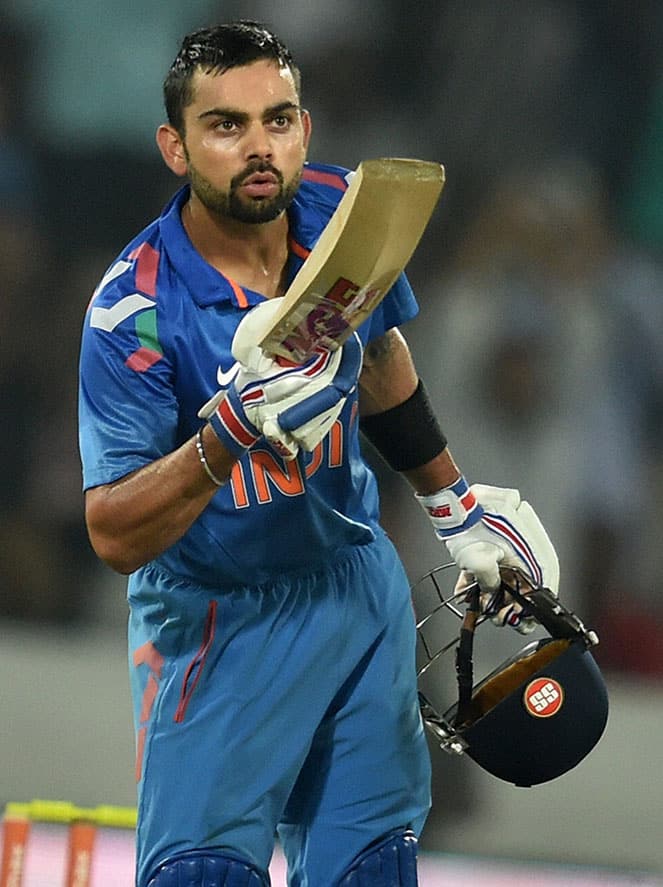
[[136, 518], [388, 379], [440, 472], [484, 528]]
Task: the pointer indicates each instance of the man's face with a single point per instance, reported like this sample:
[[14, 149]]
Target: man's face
[[245, 141]]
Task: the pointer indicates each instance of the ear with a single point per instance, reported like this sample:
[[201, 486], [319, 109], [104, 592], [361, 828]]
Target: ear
[[172, 149], [307, 126]]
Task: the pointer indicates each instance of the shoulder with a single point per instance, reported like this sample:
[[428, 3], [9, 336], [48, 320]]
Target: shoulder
[[323, 185], [121, 319], [140, 269], [127, 287], [328, 179], [319, 193]]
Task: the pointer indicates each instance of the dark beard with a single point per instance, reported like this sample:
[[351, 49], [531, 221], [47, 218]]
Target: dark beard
[[230, 205]]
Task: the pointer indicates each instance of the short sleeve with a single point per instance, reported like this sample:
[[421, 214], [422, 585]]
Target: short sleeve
[[398, 306], [128, 414]]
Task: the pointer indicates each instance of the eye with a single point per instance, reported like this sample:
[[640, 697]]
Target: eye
[[281, 121], [225, 125]]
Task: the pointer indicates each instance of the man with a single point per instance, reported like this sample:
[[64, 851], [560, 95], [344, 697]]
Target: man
[[271, 632]]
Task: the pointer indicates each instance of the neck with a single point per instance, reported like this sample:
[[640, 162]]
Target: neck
[[254, 256]]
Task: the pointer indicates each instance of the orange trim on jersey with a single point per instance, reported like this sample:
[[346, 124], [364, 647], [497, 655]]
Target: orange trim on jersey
[[149, 655], [146, 654], [298, 249], [240, 295], [336, 445]]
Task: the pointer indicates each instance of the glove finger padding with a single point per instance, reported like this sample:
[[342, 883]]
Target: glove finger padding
[[292, 405], [488, 528], [524, 541], [296, 406], [307, 421]]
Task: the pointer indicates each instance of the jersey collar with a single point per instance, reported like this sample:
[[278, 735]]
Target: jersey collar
[[209, 286]]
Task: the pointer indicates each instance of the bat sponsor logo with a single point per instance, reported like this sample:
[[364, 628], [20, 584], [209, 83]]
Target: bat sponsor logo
[[330, 315], [543, 697], [366, 244]]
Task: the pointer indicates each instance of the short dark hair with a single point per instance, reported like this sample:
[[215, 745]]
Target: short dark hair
[[217, 49]]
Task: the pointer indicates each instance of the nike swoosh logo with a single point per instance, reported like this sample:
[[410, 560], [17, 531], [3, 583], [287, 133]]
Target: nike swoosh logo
[[225, 378]]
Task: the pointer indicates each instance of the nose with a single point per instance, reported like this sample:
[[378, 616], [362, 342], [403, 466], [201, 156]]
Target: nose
[[258, 143]]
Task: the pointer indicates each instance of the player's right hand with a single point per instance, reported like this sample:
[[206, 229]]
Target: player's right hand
[[292, 406]]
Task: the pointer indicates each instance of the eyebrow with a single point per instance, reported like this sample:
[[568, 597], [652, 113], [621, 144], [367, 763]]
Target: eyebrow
[[236, 114]]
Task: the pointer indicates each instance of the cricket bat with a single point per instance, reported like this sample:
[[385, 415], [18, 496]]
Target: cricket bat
[[366, 244]]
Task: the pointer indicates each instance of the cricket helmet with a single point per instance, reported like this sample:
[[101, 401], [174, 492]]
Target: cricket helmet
[[534, 717]]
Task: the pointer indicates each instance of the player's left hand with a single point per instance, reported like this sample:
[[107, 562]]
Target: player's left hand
[[487, 528], [499, 605]]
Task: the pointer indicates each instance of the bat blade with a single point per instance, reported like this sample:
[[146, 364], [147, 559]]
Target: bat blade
[[366, 244]]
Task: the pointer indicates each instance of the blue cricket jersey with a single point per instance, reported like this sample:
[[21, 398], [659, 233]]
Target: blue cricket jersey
[[157, 331]]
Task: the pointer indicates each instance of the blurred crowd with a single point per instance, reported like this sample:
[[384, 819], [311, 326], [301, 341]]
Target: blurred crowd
[[540, 277]]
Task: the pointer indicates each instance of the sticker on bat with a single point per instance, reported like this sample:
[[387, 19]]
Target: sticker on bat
[[330, 317]]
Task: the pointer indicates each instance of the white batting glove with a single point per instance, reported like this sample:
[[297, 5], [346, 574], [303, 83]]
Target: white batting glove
[[486, 528], [292, 406]]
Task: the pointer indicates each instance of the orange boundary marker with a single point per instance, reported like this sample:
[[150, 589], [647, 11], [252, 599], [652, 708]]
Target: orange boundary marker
[[80, 849], [15, 833], [83, 824]]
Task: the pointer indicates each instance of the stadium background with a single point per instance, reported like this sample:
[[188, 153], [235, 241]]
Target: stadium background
[[540, 338]]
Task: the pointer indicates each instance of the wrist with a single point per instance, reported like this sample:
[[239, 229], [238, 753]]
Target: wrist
[[202, 457], [452, 509], [231, 426]]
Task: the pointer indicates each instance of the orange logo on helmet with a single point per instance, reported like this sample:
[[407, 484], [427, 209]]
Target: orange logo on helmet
[[543, 697]]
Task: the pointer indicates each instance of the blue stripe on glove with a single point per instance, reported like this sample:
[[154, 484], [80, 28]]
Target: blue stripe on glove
[[339, 388]]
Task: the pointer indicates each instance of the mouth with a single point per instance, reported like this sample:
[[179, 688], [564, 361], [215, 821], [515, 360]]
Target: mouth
[[261, 184]]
